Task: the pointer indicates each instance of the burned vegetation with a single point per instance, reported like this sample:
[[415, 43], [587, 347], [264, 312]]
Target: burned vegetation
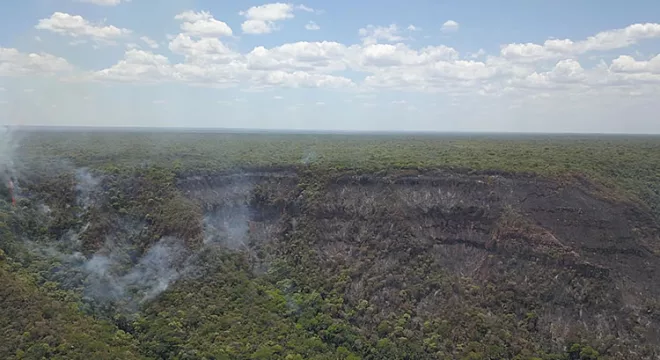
[[319, 261]]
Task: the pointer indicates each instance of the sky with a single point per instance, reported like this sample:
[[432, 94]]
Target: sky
[[417, 65]]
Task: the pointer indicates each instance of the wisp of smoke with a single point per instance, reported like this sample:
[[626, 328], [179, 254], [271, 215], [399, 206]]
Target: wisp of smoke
[[86, 183], [8, 144], [152, 274], [227, 228], [117, 275], [309, 157]]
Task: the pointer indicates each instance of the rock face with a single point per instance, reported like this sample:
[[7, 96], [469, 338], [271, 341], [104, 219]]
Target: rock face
[[459, 249]]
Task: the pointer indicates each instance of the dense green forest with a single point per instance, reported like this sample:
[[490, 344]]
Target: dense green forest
[[280, 246]]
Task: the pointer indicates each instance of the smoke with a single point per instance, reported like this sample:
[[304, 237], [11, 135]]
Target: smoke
[[8, 146], [228, 228], [310, 157], [119, 277], [226, 200], [110, 279], [86, 184], [116, 276]]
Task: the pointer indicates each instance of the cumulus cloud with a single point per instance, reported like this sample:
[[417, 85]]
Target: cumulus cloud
[[137, 65], [202, 51], [325, 56], [263, 19], [16, 63], [76, 26], [565, 73], [372, 34], [383, 59], [202, 24], [209, 62], [449, 26], [628, 64], [602, 41]]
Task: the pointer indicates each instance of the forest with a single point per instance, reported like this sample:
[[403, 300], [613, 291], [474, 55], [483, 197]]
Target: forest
[[184, 245]]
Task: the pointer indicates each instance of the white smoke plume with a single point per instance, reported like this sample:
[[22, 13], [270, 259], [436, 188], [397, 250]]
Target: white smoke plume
[[108, 279], [310, 157], [8, 145], [228, 228], [121, 277], [86, 184]]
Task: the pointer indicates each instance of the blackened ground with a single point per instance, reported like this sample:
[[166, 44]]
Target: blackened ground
[[399, 264], [464, 249]]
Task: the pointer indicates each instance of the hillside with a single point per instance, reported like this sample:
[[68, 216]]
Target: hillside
[[236, 246]]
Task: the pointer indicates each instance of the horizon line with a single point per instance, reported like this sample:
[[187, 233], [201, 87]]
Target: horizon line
[[310, 131]]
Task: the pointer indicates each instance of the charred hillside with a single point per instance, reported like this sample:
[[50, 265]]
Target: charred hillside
[[398, 264], [453, 254], [118, 260]]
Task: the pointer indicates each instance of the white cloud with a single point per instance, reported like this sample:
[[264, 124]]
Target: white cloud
[[278, 97], [76, 26], [203, 51], [258, 27], [16, 63], [208, 62], [320, 103], [450, 26], [104, 2], [603, 41], [374, 34], [628, 64], [269, 12], [151, 43], [619, 38], [382, 61], [312, 26], [202, 24], [159, 101], [565, 73], [400, 55], [262, 19], [323, 56], [305, 8], [137, 65], [412, 27]]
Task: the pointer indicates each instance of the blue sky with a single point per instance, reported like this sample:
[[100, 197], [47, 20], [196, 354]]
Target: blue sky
[[562, 66]]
